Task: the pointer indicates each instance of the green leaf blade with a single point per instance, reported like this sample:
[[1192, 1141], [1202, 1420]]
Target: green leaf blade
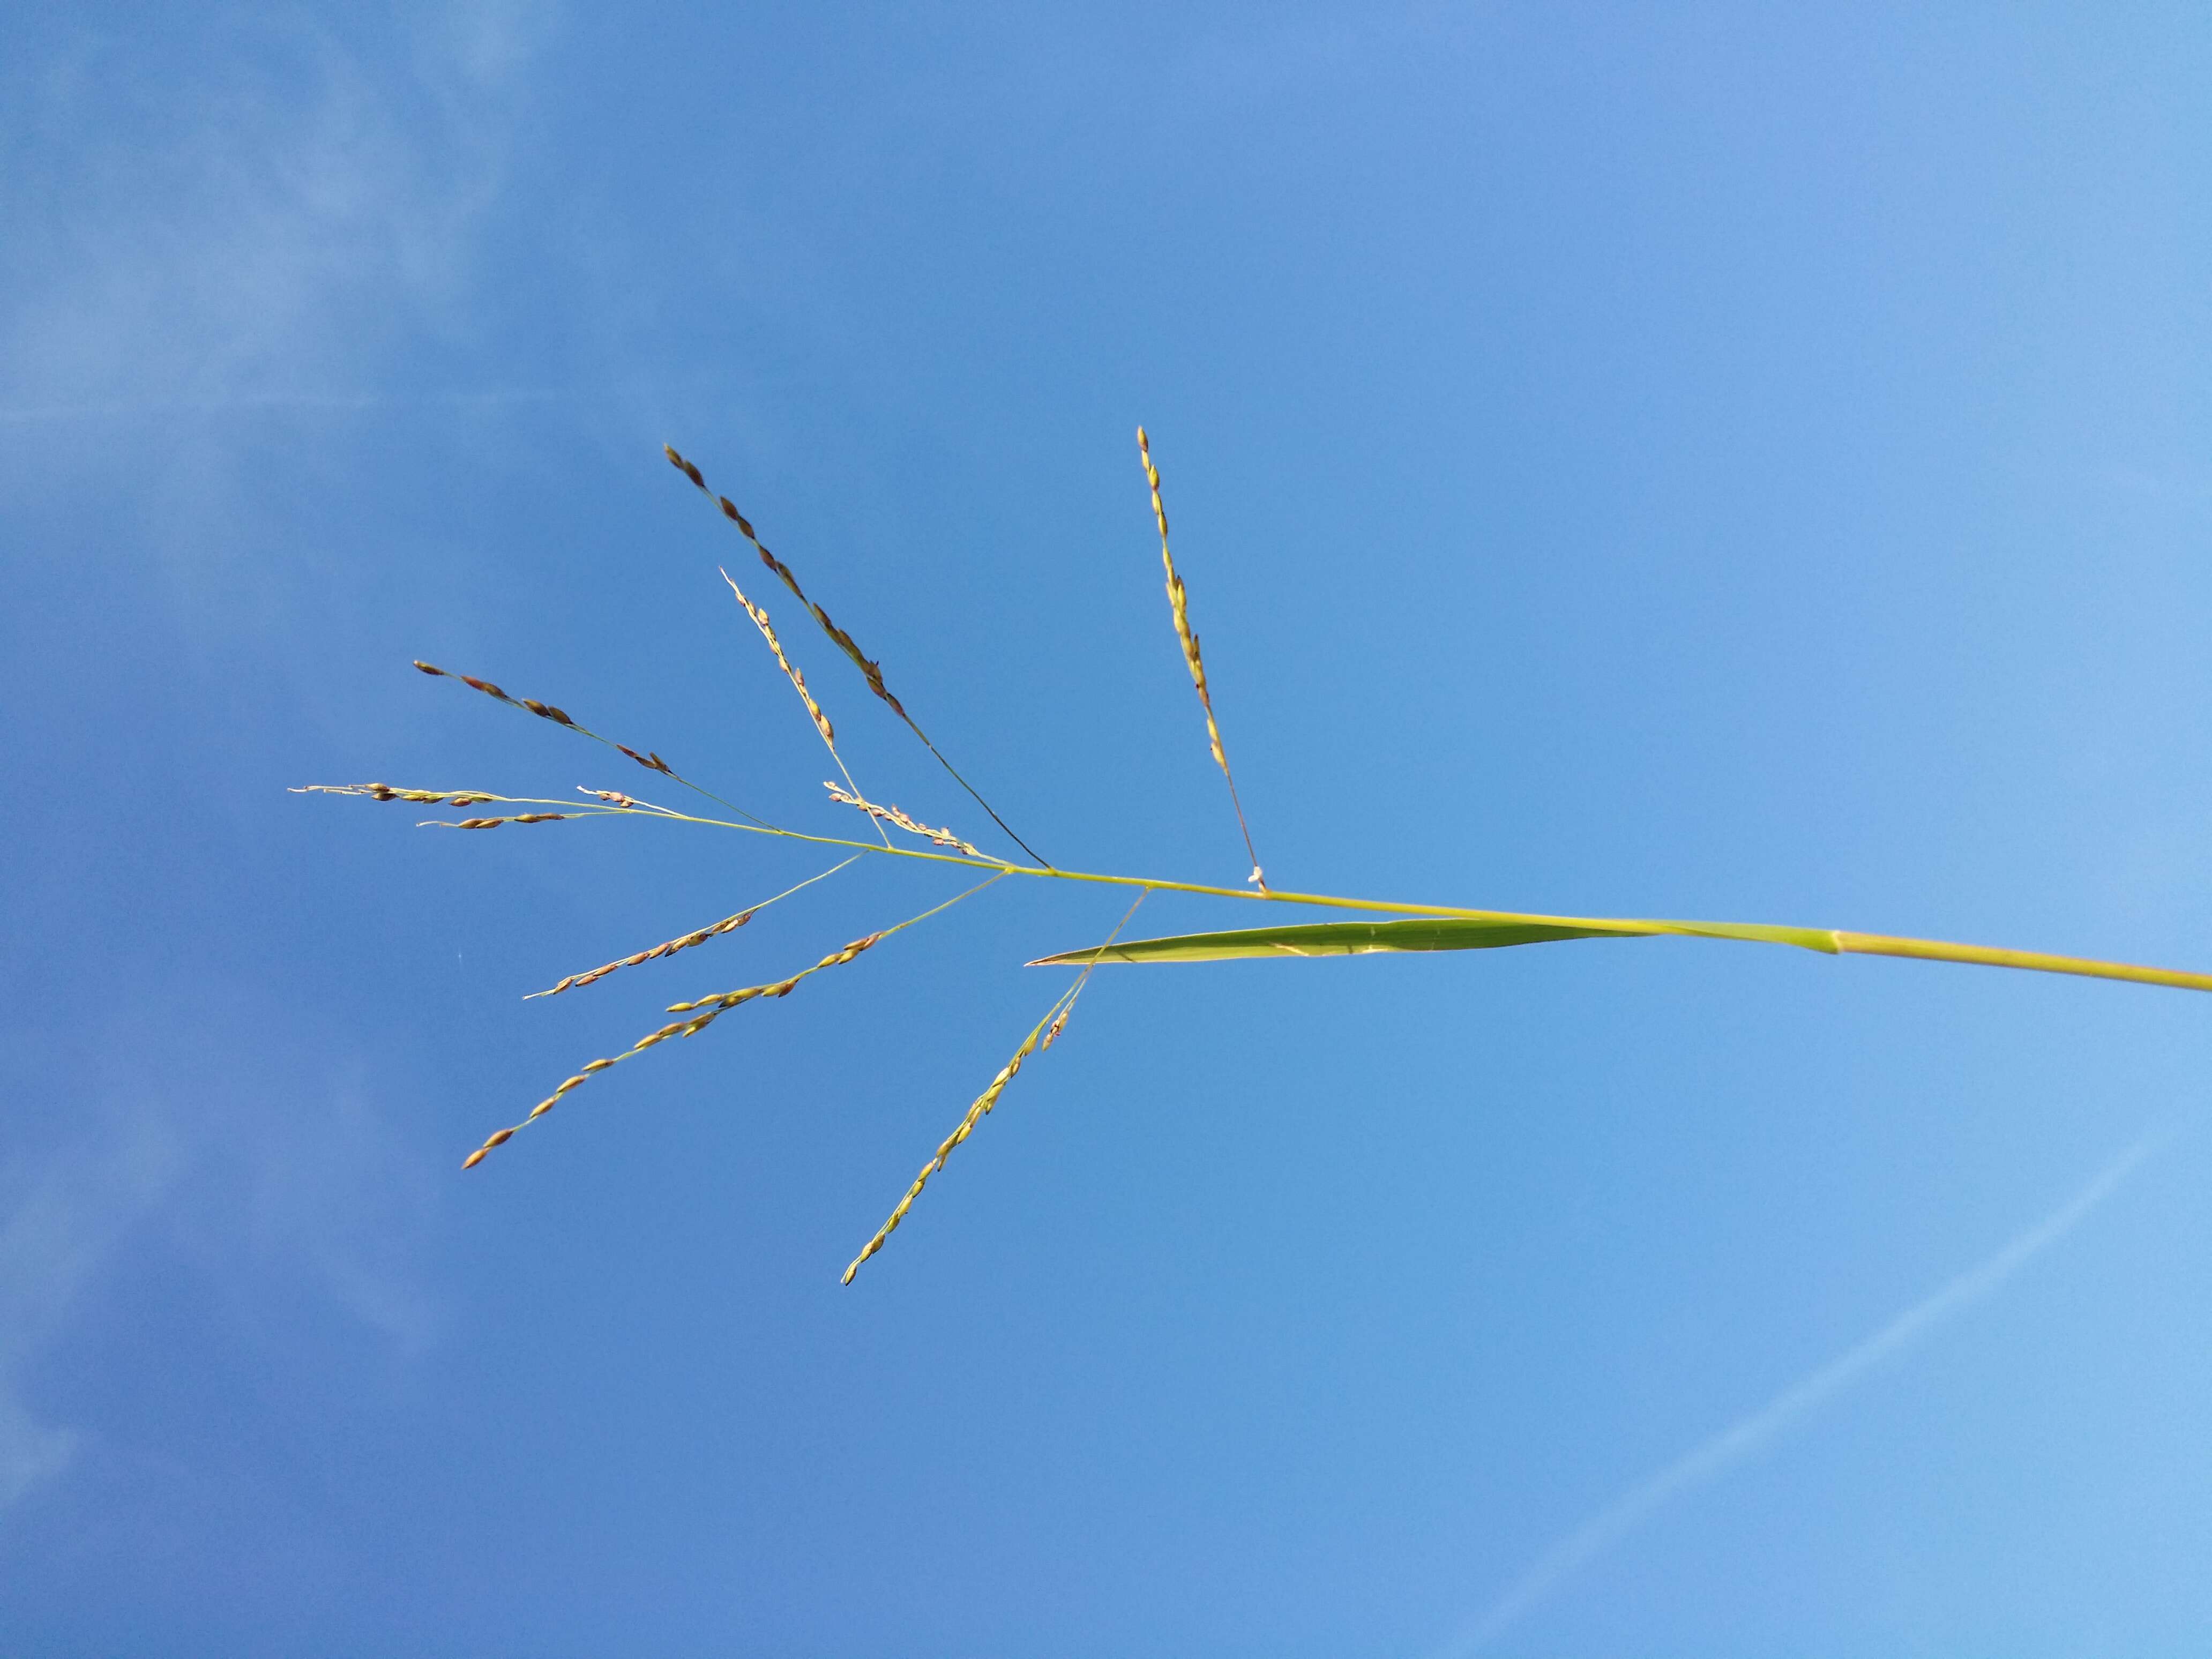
[[1489, 931]]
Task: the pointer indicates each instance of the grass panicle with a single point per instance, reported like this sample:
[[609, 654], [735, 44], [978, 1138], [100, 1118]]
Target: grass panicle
[[871, 671], [1408, 927], [1179, 608]]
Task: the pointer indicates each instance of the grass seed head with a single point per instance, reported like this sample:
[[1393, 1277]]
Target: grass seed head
[[759, 615], [685, 942], [1179, 609], [870, 669]]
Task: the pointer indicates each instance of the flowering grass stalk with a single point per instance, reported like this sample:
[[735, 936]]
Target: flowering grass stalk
[[1418, 928]]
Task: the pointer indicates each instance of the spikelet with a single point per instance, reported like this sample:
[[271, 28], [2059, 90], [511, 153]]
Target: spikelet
[[892, 815], [544, 711], [797, 680], [494, 823], [1059, 1024], [1179, 604]]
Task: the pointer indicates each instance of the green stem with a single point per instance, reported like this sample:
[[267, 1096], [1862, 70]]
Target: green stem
[[2034, 962], [1831, 941]]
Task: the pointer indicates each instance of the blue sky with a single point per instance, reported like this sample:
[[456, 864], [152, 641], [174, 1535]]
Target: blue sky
[[1705, 461]]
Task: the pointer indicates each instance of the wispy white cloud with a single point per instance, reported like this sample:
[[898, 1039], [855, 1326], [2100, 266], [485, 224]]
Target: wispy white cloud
[[201, 1141], [265, 223], [1762, 1428], [65, 1225]]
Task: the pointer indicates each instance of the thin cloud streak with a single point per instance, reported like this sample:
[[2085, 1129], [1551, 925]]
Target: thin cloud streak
[[1763, 1427], [291, 401]]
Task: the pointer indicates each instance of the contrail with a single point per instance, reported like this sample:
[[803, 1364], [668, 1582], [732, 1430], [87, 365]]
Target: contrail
[[1759, 1429], [225, 404]]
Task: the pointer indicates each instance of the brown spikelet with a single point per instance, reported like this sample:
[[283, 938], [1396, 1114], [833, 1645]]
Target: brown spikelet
[[1179, 606], [545, 711], [870, 670], [892, 815], [494, 823]]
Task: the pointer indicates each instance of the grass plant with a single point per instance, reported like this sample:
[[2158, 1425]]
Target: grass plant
[[1423, 927]]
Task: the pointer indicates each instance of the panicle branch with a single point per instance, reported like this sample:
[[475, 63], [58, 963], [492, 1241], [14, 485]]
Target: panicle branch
[[892, 815], [1046, 1031], [385, 792], [650, 760], [759, 615], [494, 823], [704, 1012], [729, 924], [1179, 606]]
